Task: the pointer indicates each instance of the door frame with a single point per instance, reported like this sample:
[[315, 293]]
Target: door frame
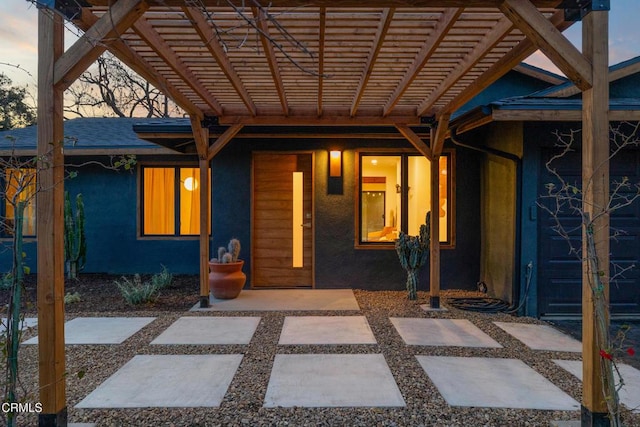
[[313, 211]]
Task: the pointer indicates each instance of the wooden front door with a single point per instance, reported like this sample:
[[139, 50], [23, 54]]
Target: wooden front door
[[282, 223]]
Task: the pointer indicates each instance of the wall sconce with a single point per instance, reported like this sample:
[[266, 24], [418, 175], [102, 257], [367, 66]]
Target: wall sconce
[[335, 163], [334, 180]]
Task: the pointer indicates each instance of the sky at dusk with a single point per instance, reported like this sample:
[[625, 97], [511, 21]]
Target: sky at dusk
[[18, 38]]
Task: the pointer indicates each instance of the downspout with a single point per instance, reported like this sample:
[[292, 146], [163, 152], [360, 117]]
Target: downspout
[[515, 286]]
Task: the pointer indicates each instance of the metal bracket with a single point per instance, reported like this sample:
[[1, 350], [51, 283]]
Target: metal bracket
[[209, 122], [575, 10], [429, 121]]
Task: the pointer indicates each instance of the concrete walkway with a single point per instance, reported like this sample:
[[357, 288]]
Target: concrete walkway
[[327, 378]]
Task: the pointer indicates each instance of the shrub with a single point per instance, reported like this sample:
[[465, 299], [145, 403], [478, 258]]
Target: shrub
[[135, 291], [70, 298], [163, 279]]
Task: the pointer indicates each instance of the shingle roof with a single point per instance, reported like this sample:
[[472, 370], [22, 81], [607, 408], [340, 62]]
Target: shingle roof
[[86, 133]]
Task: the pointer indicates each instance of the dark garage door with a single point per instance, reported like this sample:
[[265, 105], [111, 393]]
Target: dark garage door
[[559, 272]]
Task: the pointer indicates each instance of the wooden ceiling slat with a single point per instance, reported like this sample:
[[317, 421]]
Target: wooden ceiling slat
[[164, 51], [446, 21], [261, 22], [322, 31], [498, 32], [210, 40]]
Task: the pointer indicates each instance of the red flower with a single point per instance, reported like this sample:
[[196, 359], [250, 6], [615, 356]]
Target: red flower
[[605, 355], [631, 351]]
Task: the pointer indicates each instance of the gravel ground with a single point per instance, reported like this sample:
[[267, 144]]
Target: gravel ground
[[242, 405]]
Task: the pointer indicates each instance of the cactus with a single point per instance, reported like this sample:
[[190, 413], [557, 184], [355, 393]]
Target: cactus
[[228, 254], [75, 244], [234, 249], [413, 252]]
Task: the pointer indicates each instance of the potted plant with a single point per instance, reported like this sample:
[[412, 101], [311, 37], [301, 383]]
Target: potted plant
[[226, 278], [413, 252]]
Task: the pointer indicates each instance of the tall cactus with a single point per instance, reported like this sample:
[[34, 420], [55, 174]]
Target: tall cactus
[[75, 244], [413, 252]]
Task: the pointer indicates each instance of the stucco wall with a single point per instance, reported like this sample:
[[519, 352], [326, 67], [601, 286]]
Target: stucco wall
[[499, 178], [111, 204]]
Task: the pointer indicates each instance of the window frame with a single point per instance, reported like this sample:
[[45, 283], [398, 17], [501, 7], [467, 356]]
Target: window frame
[[404, 153], [176, 203], [4, 235]]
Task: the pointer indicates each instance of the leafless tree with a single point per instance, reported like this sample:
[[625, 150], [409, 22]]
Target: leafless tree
[[111, 89]]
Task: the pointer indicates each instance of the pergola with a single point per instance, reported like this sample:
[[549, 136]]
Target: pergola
[[318, 63]]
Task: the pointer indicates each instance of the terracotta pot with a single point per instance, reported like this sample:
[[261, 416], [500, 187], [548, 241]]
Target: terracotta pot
[[226, 280]]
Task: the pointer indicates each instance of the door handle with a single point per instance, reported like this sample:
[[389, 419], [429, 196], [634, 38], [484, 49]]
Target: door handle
[[306, 225]]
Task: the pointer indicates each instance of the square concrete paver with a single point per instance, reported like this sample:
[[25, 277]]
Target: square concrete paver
[[100, 330], [172, 381], [209, 330], [332, 380], [326, 330], [442, 332], [629, 393], [541, 337], [285, 300], [493, 383]]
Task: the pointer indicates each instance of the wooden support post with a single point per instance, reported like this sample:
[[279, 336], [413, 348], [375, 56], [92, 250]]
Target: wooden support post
[[595, 185], [434, 242], [50, 224], [204, 232], [201, 136]]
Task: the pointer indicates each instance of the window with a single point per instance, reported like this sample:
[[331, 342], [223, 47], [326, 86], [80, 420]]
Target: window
[[395, 195], [171, 201], [20, 187]]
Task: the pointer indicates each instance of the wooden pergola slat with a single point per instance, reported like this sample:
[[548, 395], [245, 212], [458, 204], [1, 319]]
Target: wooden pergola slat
[[322, 31], [210, 40], [164, 51], [446, 21]]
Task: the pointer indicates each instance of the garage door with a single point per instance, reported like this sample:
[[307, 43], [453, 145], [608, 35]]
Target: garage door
[[559, 272]]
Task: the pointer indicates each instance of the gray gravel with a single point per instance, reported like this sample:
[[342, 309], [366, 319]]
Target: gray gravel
[[242, 405]]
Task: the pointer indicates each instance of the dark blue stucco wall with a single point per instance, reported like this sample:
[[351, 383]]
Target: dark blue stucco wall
[[337, 263], [111, 205]]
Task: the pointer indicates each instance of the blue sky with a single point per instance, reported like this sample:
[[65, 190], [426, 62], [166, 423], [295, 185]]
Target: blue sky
[[18, 37]]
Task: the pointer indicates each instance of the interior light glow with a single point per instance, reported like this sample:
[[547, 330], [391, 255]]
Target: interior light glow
[[190, 184]]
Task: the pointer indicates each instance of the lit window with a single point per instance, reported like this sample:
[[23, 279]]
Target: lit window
[[395, 195], [171, 201], [20, 187]]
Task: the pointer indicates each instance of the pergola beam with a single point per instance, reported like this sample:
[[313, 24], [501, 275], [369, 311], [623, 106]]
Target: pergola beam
[[512, 58], [134, 61], [322, 30], [442, 129], [95, 40], [498, 32], [549, 40], [415, 140], [446, 21], [212, 42], [261, 23], [223, 140], [348, 3], [378, 40], [164, 51]]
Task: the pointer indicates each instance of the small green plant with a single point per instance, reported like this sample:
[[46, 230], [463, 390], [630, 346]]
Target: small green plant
[[228, 254], [71, 298], [75, 243], [6, 281], [413, 252], [135, 291], [163, 279]]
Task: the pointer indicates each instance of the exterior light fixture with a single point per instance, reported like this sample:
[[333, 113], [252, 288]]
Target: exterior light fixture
[[334, 178], [335, 163]]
